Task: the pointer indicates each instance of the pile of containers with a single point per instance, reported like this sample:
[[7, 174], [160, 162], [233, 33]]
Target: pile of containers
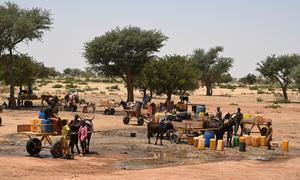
[[41, 125], [208, 141]]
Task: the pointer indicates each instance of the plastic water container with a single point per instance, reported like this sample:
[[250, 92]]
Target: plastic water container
[[220, 145], [196, 139], [248, 140], [207, 136], [46, 126], [236, 140], [242, 146], [285, 145], [42, 115], [200, 108], [213, 144], [201, 143], [263, 141], [255, 141]]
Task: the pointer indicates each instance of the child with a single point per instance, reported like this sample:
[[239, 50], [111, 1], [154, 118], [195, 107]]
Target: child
[[65, 137], [82, 135]]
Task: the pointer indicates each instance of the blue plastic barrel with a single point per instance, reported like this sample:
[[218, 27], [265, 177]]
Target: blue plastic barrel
[[46, 126], [200, 108], [207, 136], [42, 115]]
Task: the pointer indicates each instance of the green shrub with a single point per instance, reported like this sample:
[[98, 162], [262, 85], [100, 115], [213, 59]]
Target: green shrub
[[273, 106], [82, 83], [259, 99], [70, 86], [260, 91], [271, 89], [253, 88], [57, 86], [227, 86]]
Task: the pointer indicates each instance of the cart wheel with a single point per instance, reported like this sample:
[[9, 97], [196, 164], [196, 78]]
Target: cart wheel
[[31, 146], [126, 120], [263, 131], [74, 108], [112, 111], [0, 121], [56, 149], [28, 104], [106, 111], [140, 121], [174, 138]]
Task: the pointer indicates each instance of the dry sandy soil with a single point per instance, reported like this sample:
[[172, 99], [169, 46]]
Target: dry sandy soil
[[116, 155]]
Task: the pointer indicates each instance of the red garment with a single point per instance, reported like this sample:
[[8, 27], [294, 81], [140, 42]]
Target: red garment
[[82, 133]]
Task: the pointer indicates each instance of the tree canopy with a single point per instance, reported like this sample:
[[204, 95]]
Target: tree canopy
[[248, 79], [211, 66], [19, 25], [171, 75], [123, 53], [296, 76], [279, 68]]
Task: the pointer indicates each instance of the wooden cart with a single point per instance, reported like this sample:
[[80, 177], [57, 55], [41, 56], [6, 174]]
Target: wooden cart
[[259, 123], [134, 114], [39, 141], [185, 128], [109, 106]]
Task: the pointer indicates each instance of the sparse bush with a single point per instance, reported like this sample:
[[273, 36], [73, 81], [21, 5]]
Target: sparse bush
[[253, 88], [227, 86], [70, 86], [57, 86], [233, 104], [273, 106], [259, 99], [82, 83], [260, 91], [271, 89]]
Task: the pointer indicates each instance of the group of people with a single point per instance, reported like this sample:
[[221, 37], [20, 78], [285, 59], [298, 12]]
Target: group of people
[[238, 117], [71, 133]]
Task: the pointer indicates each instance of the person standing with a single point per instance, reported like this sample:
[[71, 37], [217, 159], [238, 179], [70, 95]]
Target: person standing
[[74, 128], [65, 137], [269, 135], [219, 113], [82, 136], [238, 120]]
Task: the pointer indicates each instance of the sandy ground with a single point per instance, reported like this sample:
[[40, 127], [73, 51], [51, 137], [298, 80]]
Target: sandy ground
[[116, 155]]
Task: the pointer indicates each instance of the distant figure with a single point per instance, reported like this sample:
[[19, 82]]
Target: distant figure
[[219, 113], [269, 135], [30, 91], [184, 99]]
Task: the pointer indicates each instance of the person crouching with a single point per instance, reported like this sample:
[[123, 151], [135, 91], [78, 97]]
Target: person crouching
[[82, 136], [65, 137]]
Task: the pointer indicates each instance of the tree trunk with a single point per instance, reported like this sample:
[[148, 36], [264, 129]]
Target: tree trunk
[[169, 95], [129, 84], [12, 100], [284, 91], [209, 90], [151, 95]]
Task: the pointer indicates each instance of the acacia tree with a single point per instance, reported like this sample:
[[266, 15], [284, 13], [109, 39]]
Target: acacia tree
[[16, 26], [171, 75], [279, 68], [24, 68], [211, 66], [123, 53], [249, 79]]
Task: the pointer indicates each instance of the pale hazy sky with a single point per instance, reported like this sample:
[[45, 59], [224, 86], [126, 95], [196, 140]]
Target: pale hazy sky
[[248, 30]]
